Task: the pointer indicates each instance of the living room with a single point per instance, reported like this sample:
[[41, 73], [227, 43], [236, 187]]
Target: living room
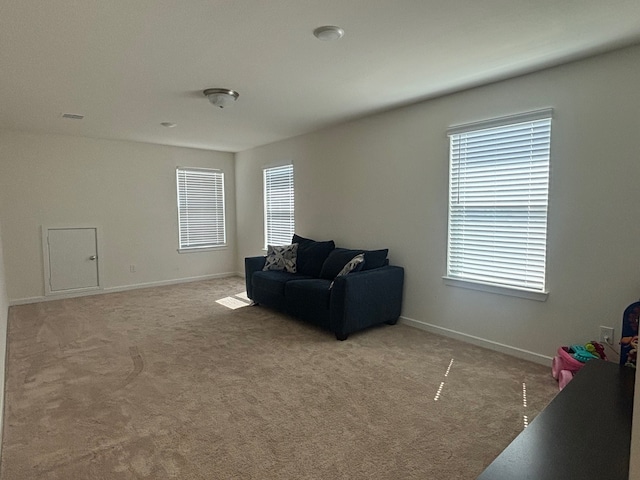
[[376, 181]]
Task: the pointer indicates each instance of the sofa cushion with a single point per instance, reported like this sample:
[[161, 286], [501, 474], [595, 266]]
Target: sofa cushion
[[281, 258], [335, 262], [339, 257], [308, 299], [274, 281], [311, 255], [375, 258], [353, 265]]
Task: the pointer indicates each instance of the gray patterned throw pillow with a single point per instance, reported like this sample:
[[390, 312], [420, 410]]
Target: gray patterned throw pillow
[[353, 265], [282, 258]]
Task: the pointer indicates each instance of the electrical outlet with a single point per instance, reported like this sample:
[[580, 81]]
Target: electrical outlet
[[132, 268], [606, 335]]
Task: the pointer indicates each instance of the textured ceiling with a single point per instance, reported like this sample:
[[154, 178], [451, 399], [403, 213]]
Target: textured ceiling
[[128, 65]]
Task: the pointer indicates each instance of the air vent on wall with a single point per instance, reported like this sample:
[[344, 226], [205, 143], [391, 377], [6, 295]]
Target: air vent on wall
[[72, 116]]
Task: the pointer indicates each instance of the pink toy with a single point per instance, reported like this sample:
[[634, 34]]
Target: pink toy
[[564, 366], [565, 377], [564, 361]]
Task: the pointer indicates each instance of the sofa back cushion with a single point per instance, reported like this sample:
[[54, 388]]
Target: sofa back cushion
[[375, 258], [339, 257], [311, 255], [353, 265]]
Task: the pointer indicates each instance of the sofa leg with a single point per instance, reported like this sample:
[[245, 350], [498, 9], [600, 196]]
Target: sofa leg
[[342, 336], [391, 322], [253, 304]]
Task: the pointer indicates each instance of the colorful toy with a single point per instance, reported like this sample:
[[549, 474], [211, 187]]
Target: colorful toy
[[597, 349], [571, 359], [581, 354]]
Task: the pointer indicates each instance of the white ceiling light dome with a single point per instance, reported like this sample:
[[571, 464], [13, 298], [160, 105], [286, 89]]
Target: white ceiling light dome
[[328, 33], [221, 97]]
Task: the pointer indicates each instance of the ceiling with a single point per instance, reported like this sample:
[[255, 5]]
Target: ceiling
[[128, 65]]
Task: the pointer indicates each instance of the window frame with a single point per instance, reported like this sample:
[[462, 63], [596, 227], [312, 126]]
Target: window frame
[[286, 238], [463, 280], [219, 209]]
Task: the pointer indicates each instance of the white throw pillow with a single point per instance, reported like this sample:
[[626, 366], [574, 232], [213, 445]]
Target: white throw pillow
[[282, 257]]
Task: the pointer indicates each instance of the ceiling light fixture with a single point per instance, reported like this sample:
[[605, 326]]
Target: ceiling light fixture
[[221, 97], [328, 32], [72, 116], [168, 124]]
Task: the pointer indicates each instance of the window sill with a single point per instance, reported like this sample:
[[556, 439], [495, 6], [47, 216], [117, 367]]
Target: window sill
[[497, 289], [203, 249]]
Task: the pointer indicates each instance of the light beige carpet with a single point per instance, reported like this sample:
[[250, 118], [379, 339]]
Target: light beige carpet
[[167, 383]]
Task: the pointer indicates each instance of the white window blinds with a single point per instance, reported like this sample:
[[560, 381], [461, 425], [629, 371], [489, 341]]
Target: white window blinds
[[278, 205], [200, 208], [498, 198]]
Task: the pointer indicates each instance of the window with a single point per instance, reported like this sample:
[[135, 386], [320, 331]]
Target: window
[[200, 208], [279, 222], [498, 198]]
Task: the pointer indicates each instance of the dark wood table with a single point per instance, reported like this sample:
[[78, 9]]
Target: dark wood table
[[585, 432]]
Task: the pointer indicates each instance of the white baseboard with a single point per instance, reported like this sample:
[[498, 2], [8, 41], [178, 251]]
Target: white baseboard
[[122, 288], [481, 342], [168, 282]]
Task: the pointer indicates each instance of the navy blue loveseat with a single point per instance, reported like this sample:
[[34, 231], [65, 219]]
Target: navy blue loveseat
[[353, 302]]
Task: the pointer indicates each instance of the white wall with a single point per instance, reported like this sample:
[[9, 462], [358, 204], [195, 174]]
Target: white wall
[[4, 311], [127, 189], [382, 182]]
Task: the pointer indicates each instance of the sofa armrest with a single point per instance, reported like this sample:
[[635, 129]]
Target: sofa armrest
[[362, 299], [252, 265]]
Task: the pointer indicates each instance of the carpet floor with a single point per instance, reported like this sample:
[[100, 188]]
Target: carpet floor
[[189, 382]]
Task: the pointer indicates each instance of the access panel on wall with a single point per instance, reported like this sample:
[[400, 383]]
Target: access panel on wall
[[71, 258]]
